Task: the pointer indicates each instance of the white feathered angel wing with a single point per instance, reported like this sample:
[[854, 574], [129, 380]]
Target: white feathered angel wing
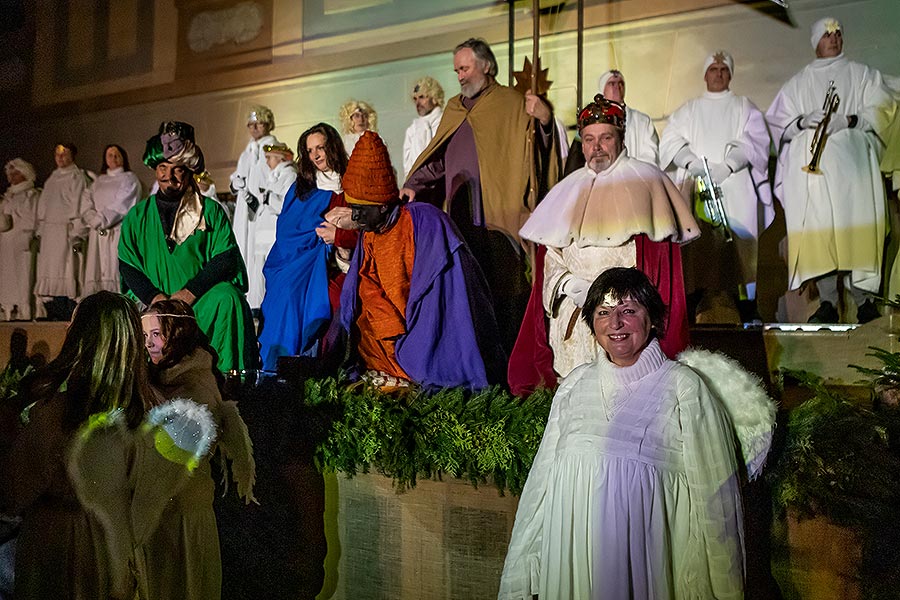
[[750, 409]]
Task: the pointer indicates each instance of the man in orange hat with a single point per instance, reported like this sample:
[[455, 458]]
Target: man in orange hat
[[409, 295]]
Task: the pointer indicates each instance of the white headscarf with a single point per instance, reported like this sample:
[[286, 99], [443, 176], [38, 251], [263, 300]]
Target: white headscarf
[[719, 56], [604, 79], [22, 167], [821, 27]]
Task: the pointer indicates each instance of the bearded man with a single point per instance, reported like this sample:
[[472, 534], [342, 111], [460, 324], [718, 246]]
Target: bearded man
[[836, 221], [616, 211], [484, 170], [179, 244]]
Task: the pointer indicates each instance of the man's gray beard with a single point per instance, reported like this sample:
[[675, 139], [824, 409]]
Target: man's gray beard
[[598, 165], [468, 90]]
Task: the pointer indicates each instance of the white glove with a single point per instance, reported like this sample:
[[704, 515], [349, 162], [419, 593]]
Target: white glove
[[837, 123], [685, 159], [237, 183], [736, 159], [812, 120], [719, 172], [695, 169], [576, 289]]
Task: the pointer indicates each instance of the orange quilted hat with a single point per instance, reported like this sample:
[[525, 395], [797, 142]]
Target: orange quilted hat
[[369, 178]]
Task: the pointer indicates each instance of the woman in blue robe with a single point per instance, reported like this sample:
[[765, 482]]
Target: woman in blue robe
[[309, 243]]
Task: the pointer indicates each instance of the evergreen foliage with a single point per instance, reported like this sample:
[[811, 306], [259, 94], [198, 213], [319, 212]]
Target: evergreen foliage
[[409, 434], [842, 461]]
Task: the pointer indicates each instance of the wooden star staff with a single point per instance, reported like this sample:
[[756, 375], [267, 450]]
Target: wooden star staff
[[532, 78]]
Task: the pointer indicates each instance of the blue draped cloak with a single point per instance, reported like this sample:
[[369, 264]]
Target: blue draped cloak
[[296, 309]]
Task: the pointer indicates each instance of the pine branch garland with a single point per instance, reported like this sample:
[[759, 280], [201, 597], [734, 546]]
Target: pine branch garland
[[480, 437]]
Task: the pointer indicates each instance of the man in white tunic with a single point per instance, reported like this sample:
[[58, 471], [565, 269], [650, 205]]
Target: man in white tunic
[[730, 131], [428, 96], [103, 207], [17, 220], [836, 219], [58, 224], [641, 139], [616, 211], [246, 183]]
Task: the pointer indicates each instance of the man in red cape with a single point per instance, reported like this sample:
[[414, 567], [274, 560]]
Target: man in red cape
[[616, 211]]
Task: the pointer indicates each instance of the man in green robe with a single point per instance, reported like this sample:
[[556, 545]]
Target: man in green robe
[[179, 244]]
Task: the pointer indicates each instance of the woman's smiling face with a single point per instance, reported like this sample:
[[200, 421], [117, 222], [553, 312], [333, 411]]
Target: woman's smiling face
[[622, 328]]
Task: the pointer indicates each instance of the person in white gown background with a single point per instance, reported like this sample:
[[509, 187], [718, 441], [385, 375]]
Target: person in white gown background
[[58, 271], [730, 131], [428, 96], [356, 118], [836, 221], [103, 207], [18, 211], [281, 172], [246, 184]]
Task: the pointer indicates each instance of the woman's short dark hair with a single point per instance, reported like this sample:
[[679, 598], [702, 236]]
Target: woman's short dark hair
[[482, 52], [334, 152], [621, 283], [104, 168]]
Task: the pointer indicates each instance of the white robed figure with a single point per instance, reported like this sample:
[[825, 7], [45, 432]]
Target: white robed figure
[[103, 207], [836, 219], [58, 218], [730, 131], [428, 96], [281, 173], [641, 138], [17, 216], [247, 183]]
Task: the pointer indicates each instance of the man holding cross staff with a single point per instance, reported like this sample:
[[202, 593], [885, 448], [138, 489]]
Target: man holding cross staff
[[482, 167]]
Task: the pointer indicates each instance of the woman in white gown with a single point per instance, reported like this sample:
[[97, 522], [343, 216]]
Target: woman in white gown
[[635, 489], [106, 202]]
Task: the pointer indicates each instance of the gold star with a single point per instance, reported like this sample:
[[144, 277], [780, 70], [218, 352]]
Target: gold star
[[523, 78], [719, 57]]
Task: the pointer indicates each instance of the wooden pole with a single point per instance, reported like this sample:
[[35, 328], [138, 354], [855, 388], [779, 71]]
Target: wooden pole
[[535, 43], [511, 36], [580, 42]]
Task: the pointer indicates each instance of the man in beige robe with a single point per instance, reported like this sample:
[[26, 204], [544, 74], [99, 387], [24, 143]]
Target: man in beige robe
[[486, 169]]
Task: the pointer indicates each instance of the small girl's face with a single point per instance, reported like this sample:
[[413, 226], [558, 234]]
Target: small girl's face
[[154, 340], [273, 159]]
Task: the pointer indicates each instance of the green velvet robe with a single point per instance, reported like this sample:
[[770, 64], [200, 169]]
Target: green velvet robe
[[222, 312]]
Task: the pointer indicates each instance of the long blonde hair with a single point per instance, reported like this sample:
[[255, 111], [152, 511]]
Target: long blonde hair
[[102, 364]]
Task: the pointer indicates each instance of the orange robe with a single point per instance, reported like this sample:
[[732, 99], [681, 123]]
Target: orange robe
[[385, 272]]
